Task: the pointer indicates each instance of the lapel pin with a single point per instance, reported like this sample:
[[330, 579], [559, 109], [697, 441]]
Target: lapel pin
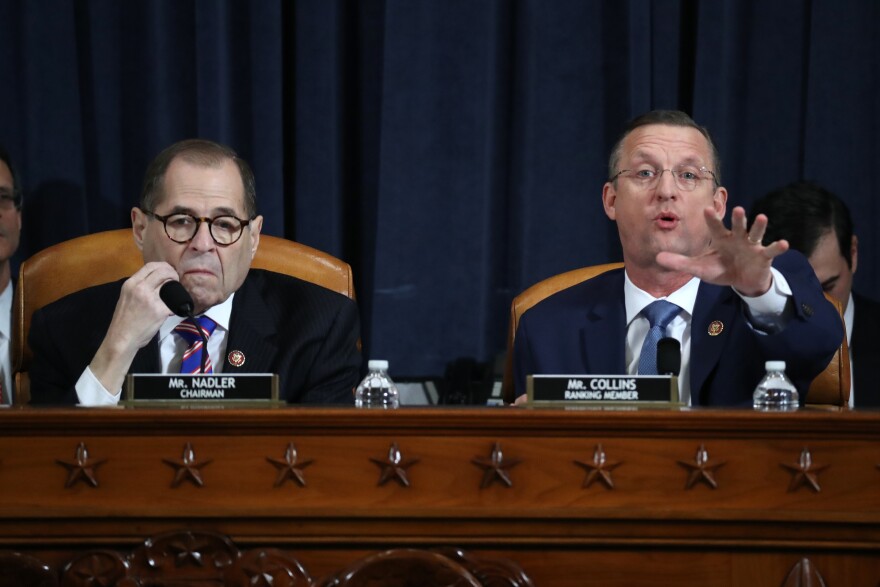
[[716, 327], [236, 358]]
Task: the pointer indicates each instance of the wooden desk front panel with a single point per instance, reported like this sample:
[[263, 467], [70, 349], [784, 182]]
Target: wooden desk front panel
[[662, 514]]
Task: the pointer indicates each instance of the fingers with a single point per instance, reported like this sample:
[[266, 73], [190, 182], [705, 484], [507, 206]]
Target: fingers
[[776, 248], [739, 228], [154, 274], [759, 227], [678, 262], [715, 222]]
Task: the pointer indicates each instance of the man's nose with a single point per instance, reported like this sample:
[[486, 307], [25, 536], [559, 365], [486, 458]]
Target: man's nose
[[666, 186], [202, 239]]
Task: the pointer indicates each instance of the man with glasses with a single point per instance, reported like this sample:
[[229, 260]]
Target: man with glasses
[[10, 231], [197, 224], [731, 302]]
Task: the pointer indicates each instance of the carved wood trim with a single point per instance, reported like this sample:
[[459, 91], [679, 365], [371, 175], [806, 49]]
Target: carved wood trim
[[198, 558]]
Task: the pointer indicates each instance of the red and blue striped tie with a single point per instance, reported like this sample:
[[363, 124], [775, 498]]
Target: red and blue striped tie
[[192, 358]]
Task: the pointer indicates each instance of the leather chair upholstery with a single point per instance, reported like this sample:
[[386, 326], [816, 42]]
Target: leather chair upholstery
[[831, 386], [112, 255]]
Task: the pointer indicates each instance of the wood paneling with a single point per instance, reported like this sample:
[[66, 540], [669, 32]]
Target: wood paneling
[[660, 522]]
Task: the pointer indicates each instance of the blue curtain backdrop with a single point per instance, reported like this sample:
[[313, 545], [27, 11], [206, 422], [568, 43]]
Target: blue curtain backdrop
[[453, 151]]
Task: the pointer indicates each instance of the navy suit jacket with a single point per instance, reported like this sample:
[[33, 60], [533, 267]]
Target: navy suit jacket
[[303, 332], [866, 352], [582, 330]]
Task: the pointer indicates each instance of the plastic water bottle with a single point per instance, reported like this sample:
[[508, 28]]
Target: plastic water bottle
[[775, 391], [377, 390]]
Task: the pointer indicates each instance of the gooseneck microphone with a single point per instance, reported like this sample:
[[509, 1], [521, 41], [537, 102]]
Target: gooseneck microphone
[[181, 303], [668, 356]]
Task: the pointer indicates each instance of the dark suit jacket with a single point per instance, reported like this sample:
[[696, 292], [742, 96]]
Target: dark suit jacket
[[582, 330], [866, 352], [303, 332]]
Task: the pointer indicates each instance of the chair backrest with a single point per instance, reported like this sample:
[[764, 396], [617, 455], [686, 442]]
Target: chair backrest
[[831, 386], [532, 296], [112, 255]]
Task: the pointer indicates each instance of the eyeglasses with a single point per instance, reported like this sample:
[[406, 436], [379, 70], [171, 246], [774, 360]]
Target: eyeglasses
[[687, 177], [182, 228]]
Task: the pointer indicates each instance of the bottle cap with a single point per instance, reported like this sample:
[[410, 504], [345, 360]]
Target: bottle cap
[[377, 364], [775, 365]]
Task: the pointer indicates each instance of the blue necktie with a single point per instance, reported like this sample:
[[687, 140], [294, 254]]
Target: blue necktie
[[192, 358], [659, 314]]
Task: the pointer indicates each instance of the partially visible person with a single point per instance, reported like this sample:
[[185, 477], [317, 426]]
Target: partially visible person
[[817, 223], [197, 223], [10, 232], [730, 301]]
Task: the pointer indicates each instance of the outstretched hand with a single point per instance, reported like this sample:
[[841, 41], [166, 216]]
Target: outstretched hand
[[735, 257]]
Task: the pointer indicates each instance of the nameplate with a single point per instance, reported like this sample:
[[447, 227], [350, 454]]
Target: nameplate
[[602, 389], [220, 387]]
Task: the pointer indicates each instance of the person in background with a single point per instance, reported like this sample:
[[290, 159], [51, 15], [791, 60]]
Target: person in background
[[817, 223], [731, 302], [10, 232], [197, 223]]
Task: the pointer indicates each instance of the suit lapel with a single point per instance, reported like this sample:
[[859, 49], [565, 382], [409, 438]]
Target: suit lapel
[[603, 336], [147, 359], [711, 327], [252, 331]]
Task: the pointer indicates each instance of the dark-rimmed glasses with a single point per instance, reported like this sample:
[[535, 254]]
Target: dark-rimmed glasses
[[182, 228]]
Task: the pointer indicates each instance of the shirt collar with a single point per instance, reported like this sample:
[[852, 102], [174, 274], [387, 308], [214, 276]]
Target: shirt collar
[[848, 316], [6, 311], [219, 314], [637, 299]]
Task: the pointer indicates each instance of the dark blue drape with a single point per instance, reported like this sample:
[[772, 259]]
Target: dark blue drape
[[453, 151]]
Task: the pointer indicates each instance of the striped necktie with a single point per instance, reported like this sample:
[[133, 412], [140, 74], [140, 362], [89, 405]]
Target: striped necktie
[[659, 314], [192, 358]]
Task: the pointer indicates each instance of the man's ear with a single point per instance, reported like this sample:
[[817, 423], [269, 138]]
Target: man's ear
[[609, 200], [719, 201], [854, 253], [138, 226], [256, 225]]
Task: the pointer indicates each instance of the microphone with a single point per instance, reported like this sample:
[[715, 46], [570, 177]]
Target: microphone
[[177, 298], [180, 302], [668, 356]]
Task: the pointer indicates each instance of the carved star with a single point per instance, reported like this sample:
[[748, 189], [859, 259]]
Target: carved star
[[804, 472], [82, 469], [187, 551], [265, 569], [289, 468], [187, 467], [98, 569], [394, 467], [599, 469], [701, 470], [495, 467]]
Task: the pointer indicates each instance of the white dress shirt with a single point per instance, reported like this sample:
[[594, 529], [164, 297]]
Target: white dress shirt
[[5, 340], [766, 313], [848, 316], [171, 348]]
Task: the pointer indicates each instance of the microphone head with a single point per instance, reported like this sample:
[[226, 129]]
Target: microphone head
[[668, 356], [177, 298]]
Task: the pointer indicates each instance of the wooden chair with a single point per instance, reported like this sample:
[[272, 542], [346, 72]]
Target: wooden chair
[[831, 386], [112, 255]]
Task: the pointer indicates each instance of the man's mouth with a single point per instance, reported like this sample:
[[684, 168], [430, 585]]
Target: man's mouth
[[666, 220], [198, 272]]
